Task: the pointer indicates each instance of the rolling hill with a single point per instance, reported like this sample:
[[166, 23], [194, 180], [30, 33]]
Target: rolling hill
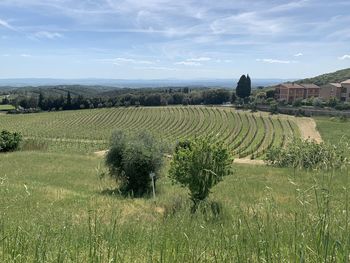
[[334, 77]]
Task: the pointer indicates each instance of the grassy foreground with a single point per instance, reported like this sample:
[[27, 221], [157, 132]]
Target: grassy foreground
[[52, 209]]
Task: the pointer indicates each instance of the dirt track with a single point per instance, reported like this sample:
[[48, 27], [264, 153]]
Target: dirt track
[[308, 129]]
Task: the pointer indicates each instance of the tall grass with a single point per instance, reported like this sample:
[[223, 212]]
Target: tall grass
[[53, 211]]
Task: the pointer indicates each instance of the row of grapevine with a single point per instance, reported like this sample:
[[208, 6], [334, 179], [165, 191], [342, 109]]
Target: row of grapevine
[[247, 134]]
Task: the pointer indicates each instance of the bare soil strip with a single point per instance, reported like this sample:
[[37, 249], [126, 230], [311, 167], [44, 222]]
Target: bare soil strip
[[308, 129], [249, 161], [238, 161]]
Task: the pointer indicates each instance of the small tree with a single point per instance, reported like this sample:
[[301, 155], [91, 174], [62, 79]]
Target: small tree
[[9, 141], [131, 159], [200, 164]]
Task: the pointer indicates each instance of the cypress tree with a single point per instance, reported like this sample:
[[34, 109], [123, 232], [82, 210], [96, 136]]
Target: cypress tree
[[69, 101], [241, 86], [41, 101], [248, 86]]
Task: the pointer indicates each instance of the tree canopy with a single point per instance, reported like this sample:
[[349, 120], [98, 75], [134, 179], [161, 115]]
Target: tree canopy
[[244, 87]]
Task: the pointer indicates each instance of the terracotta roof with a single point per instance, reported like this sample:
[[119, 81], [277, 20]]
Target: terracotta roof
[[310, 86], [346, 82]]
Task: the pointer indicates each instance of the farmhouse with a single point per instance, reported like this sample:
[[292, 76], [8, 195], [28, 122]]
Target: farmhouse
[[291, 92], [340, 91], [331, 90]]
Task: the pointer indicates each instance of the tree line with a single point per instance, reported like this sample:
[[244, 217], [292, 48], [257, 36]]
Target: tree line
[[45, 101]]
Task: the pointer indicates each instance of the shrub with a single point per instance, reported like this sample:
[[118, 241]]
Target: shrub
[[131, 159], [273, 108], [9, 141], [200, 164], [307, 154]]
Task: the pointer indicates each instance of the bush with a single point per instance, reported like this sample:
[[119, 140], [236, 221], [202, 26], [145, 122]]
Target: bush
[[273, 108], [307, 154], [200, 164], [9, 141], [131, 159]]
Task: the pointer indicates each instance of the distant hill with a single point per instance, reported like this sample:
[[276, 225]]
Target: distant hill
[[335, 77], [132, 83]]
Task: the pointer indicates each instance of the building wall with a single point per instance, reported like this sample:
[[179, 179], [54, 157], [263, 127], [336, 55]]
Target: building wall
[[313, 93], [328, 91], [347, 91]]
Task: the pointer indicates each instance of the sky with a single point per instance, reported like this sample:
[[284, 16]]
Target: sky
[[180, 39]]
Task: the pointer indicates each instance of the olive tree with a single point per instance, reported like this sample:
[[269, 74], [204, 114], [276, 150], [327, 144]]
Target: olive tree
[[131, 159], [199, 165], [9, 141]]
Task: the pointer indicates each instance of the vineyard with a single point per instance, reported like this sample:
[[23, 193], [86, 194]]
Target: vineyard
[[247, 134]]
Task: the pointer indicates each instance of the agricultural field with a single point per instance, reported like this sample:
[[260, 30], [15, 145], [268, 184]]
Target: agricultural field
[[248, 135], [6, 107], [54, 207]]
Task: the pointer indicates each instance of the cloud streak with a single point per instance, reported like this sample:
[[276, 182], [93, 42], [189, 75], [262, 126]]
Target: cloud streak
[[6, 25], [275, 61]]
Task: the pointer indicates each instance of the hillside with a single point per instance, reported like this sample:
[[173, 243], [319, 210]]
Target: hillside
[[334, 77]]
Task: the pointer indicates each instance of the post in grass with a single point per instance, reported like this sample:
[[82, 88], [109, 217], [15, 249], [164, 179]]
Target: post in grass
[[153, 175]]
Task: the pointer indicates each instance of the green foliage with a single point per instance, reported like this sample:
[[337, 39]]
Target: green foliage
[[131, 159], [200, 164], [244, 87], [9, 141], [273, 108], [332, 102], [307, 154]]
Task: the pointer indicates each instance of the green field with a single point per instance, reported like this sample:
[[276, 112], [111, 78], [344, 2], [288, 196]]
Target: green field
[[53, 207], [247, 134], [6, 107], [53, 210], [333, 129]]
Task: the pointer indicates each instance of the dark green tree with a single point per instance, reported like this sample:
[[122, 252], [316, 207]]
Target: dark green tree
[[69, 101], [240, 90], [244, 87], [248, 86], [41, 101]]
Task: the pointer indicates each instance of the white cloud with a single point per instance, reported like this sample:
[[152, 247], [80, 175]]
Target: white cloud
[[275, 61], [25, 55], [299, 55], [157, 68], [5, 24], [247, 23], [199, 59], [344, 57], [289, 6], [49, 35], [119, 61], [188, 63]]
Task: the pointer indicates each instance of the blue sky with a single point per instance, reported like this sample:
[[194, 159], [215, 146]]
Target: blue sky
[[156, 39]]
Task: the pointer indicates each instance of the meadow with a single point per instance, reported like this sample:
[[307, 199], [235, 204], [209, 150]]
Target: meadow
[[54, 207]]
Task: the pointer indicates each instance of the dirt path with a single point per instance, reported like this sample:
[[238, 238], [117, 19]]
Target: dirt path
[[308, 129], [249, 161], [101, 153], [238, 161]]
